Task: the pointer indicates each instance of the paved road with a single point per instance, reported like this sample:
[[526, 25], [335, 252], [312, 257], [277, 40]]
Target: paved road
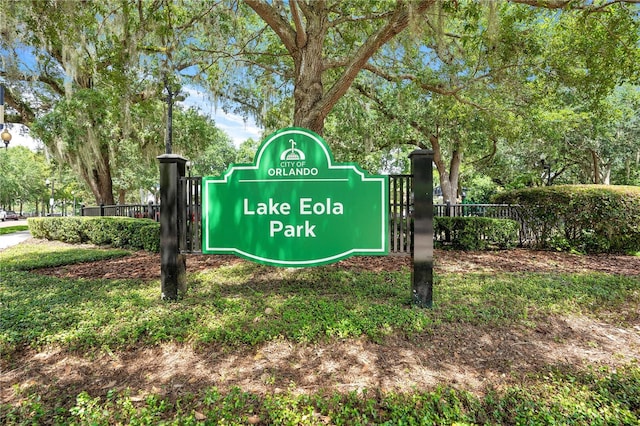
[[9, 240], [8, 223]]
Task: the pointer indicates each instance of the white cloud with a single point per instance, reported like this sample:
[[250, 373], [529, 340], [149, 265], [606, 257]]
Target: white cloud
[[237, 128]]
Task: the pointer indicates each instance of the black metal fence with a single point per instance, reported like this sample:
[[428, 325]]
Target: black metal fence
[[400, 213], [191, 229], [495, 211], [148, 211]]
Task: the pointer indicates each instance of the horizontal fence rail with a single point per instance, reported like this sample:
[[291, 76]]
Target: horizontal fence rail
[[495, 211], [400, 213], [148, 211]]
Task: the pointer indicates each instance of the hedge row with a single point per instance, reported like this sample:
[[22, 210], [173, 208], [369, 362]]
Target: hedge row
[[462, 233], [137, 234], [475, 233], [586, 218]]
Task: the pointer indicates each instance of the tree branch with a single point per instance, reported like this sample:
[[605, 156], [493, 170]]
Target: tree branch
[[398, 22], [26, 113], [277, 23], [301, 34], [490, 155], [392, 115], [366, 17], [569, 4], [454, 92]]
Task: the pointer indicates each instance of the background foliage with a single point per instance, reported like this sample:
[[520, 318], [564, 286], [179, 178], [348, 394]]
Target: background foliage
[[523, 95], [586, 218]]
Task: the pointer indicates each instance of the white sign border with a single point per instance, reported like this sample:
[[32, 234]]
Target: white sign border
[[297, 263]]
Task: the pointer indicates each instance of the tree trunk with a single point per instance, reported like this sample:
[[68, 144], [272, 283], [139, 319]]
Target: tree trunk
[[454, 174], [99, 181], [308, 88], [627, 170], [448, 179], [304, 44], [104, 187], [605, 174], [596, 167]]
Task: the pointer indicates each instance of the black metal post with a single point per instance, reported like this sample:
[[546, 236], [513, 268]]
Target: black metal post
[[422, 236], [5, 136], [52, 200], [173, 264]]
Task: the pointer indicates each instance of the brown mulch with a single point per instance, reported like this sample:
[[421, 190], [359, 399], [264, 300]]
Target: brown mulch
[[471, 357], [146, 266]]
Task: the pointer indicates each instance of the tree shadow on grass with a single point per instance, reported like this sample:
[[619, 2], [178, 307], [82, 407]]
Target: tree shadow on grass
[[29, 257], [477, 359], [267, 330]]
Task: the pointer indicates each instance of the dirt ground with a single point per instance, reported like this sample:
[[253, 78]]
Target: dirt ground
[[493, 358], [145, 265]]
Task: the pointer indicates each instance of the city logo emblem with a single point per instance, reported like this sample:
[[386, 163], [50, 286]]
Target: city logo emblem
[[292, 154]]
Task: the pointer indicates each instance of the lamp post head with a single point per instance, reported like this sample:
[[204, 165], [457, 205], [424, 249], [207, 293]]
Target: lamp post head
[[6, 138]]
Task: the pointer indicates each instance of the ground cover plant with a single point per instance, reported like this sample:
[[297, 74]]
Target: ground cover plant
[[338, 344]]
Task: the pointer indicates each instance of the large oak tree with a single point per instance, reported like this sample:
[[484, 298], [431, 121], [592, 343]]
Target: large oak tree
[[321, 46]]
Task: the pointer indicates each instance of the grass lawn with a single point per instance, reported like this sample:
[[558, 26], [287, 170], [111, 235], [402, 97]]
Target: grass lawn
[[12, 229], [251, 344]]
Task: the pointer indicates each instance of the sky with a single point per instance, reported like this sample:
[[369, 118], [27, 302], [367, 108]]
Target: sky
[[232, 124]]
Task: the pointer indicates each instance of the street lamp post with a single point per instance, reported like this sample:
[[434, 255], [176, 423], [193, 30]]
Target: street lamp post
[[169, 135], [5, 135], [546, 166], [6, 138], [52, 199]]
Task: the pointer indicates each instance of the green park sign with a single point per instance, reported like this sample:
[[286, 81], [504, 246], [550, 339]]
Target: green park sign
[[294, 206]]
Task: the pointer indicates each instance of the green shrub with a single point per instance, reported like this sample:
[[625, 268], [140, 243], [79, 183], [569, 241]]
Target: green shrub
[[476, 233], [122, 232], [150, 237], [68, 229], [587, 218]]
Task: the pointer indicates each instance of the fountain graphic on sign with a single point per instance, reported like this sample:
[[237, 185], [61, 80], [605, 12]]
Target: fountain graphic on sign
[[292, 153]]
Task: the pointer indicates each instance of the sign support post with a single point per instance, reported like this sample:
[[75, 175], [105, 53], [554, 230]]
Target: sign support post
[[422, 235], [173, 264]]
